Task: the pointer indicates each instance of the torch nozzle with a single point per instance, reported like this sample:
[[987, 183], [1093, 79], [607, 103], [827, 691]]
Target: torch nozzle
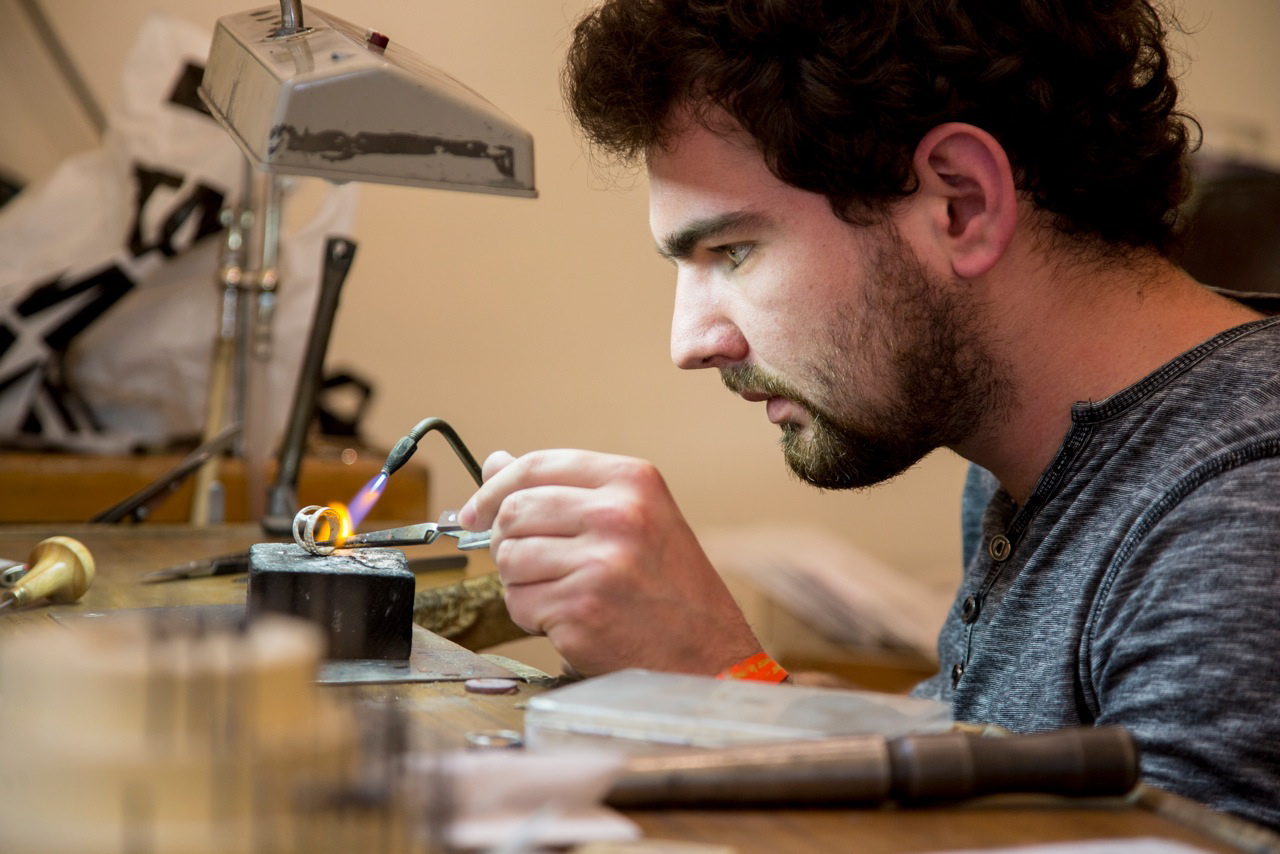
[[399, 455], [404, 449]]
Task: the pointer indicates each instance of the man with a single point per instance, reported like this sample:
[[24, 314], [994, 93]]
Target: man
[[911, 224]]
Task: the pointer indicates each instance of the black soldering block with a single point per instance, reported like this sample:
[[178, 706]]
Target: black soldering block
[[362, 599]]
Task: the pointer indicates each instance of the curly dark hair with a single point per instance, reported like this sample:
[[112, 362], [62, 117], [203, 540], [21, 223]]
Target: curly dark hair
[[838, 93]]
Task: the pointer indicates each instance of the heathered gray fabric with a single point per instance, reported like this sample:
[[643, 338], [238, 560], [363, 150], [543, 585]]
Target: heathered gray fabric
[[1143, 587]]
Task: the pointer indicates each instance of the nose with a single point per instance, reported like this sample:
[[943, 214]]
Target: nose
[[703, 335]]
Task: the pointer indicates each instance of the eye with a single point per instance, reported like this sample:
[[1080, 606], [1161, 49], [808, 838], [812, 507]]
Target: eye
[[737, 252]]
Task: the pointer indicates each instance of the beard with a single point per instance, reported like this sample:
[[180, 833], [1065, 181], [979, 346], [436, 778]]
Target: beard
[[913, 337]]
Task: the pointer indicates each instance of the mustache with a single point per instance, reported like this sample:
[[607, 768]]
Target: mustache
[[740, 378]]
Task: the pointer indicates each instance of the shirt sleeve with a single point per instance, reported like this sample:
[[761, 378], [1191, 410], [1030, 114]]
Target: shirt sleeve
[[1184, 643]]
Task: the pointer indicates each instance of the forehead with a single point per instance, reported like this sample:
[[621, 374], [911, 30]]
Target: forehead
[[708, 170], [705, 174], [713, 176]]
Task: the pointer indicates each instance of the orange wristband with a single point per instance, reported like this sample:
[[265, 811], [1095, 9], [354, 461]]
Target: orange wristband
[[758, 668]]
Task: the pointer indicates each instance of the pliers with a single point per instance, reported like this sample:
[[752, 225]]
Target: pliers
[[318, 530]]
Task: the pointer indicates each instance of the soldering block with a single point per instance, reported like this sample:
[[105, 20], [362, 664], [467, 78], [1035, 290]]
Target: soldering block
[[362, 599]]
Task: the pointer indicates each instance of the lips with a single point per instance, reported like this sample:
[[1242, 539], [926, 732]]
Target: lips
[[777, 409], [781, 410]]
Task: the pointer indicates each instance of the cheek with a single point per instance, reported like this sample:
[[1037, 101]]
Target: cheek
[[800, 312], [781, 340]]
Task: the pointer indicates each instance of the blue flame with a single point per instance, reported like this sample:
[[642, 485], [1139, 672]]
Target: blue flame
[[365, 499]]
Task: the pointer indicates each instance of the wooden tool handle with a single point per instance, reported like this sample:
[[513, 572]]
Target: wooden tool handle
[[61, 569]]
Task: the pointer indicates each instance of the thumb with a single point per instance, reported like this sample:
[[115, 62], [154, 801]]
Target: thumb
[[495, 463]]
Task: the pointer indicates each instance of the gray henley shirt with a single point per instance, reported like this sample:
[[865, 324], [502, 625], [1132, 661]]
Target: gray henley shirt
[[1140, 583]]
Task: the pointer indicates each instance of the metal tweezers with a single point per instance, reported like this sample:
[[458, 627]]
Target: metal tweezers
[[314, 529]]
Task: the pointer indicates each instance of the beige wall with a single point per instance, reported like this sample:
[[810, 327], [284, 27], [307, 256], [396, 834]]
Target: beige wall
[[544, 323]]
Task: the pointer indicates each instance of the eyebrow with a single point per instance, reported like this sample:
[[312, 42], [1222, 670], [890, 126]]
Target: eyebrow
[[680, 244]]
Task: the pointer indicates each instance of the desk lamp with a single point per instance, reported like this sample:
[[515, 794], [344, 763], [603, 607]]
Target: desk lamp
[[327, 99]]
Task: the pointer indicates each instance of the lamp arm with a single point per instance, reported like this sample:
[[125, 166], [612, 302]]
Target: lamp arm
[[290, 18]]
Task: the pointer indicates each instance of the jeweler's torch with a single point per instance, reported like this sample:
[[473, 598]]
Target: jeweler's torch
[[331, 527], [405, 448]]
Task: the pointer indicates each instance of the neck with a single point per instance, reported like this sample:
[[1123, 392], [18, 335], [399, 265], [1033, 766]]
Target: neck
[[1070, 335]]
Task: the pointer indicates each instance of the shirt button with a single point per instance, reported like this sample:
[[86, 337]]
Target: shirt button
[[957, 670], [1000, 548], [969, 609]]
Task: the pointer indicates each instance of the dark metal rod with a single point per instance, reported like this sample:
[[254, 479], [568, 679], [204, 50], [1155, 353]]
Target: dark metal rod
[[138, 505], [282, 497]]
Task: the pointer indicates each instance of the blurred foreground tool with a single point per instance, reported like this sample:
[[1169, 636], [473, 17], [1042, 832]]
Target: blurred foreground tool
[[1084, 761], [61, 569]]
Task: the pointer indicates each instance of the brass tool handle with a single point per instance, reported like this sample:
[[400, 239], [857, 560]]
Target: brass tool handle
[[61, 569]]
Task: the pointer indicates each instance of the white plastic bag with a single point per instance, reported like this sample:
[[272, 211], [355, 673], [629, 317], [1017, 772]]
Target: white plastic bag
[[108, 291]]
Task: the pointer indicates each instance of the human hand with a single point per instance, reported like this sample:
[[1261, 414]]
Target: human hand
[[596, 556]]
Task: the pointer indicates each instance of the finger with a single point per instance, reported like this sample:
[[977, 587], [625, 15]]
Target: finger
[[523, 561], [523, 608], [496, 462], [552, 608], [540, 468], [493, 464], [545, 511]]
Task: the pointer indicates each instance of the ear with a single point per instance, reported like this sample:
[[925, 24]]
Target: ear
[[971, 199]]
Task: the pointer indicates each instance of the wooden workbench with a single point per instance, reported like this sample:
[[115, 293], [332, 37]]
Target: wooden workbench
[[123, 553]]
